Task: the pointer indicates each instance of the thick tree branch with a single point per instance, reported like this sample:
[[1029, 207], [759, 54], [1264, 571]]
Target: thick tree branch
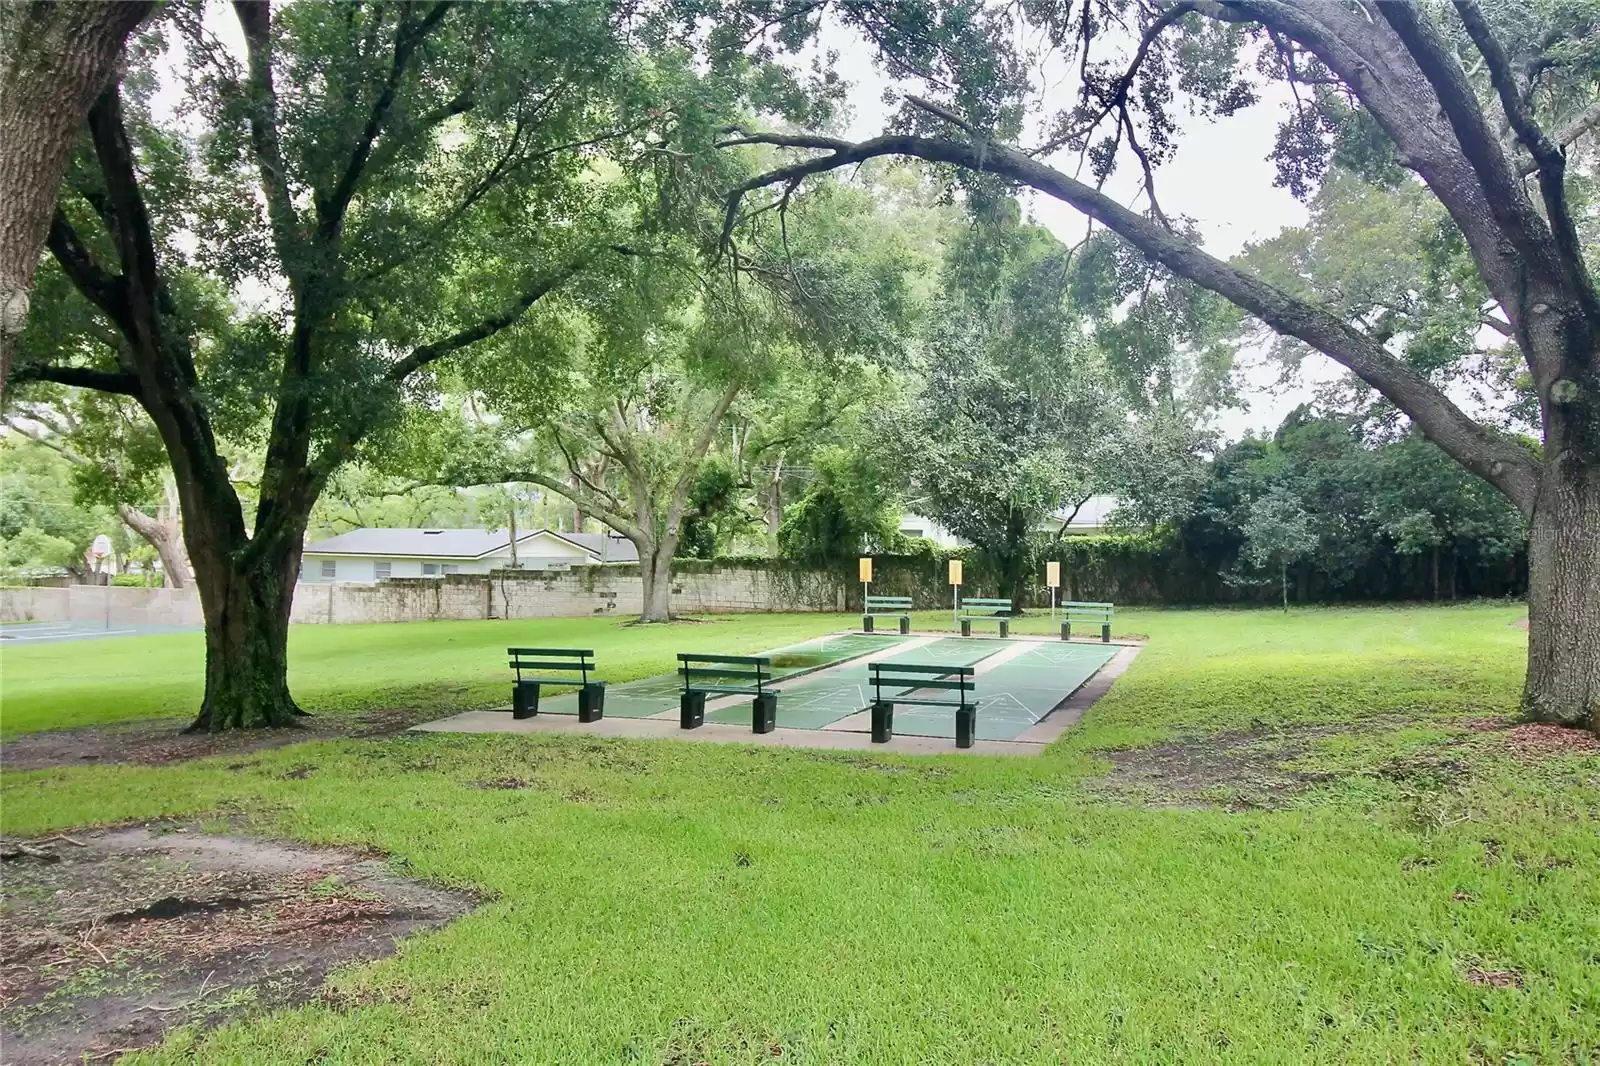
[[331, 209], [1498, 460], [255, 20], [591, 505], [489, 326], [99, 286], [115, 381]]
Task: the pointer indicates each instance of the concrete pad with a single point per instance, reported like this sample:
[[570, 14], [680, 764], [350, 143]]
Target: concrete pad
[[716, 733]]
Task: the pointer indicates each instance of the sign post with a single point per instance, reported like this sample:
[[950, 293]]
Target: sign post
[[864, 566], [1052, 577], [955, 591]]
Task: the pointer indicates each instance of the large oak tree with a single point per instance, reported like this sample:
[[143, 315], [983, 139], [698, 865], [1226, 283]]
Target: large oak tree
[[1487, 107], [402, 181]]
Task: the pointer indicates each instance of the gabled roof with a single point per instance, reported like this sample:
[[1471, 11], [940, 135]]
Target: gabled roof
[[465, 543]]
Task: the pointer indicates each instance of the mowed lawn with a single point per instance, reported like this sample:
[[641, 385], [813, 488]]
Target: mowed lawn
[[665, 902], [444, 666]]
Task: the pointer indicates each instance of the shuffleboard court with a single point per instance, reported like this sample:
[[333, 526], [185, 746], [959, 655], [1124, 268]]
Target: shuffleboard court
[[818, 702], [1016, 694], [651, 696]]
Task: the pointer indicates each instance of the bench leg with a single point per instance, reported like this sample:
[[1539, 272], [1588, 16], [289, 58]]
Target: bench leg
[[764, 712], [1005, 628], [866, 623], [1105, 633], [905, 624], [966, 627], [592, 702], [525, 700], [966, 724], [692, 710], [882, 721]]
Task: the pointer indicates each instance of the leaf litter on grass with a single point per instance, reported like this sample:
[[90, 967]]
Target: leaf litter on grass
[[131, 932]]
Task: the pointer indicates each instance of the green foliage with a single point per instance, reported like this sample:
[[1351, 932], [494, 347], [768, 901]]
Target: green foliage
[[849, 511], [43, 524]]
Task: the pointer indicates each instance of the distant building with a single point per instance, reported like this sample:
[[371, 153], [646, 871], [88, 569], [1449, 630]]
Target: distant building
[[376, 554], [1093, 517]]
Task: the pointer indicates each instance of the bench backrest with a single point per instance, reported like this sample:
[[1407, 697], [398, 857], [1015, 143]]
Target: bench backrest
[[561, 660], [889, 603], [1085, 609], [912, 676], [754, 669], [982, 606]]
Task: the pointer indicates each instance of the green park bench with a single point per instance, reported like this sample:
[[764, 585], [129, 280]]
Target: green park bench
[[569, 661], [743, 675], [886, 607], [980, 610], [1099, 614], [911, 678]]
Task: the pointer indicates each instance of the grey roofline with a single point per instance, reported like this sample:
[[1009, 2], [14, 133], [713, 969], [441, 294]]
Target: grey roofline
[[480, 555]]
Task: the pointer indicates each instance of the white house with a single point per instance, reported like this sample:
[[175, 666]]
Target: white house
[[1092, 517], [376, 554]]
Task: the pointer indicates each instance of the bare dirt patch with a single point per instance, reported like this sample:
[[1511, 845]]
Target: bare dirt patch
[[1239, 770], [162, 741], [109, 938], [1253, 768]]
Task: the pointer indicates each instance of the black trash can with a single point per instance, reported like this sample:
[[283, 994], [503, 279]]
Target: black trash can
[[966, 724], [905, 624], [592, 702], [764, 712], [692, 710], [524, 699], [966, 627], [882, 721], [866, 623]]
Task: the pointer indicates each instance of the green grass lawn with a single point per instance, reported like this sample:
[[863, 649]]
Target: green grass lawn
[[447, 666], [661, 902]]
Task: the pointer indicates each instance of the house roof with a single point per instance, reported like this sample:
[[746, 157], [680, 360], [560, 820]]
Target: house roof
[[464, 543]]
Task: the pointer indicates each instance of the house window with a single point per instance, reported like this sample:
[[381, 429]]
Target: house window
[[330, 568], [449, 568], [430, 569], [381, 570]]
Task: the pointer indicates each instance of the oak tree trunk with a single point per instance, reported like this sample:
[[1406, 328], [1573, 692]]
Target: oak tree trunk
[[246, 607], [54, 60], [655, 570], [1563, 684]]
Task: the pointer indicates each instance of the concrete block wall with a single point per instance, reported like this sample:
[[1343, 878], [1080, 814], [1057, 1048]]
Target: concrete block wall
[[101, 603], [581, 592]]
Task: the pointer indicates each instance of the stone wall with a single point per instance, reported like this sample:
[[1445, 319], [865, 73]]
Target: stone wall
[[111, 604], [577, 593], [581, 592]]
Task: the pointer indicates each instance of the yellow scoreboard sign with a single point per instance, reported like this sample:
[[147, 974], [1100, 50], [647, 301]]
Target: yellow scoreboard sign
[[955, 571], [866, 571], [1052, 574]]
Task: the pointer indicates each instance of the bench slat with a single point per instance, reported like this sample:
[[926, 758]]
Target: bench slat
[[913, 684], [919, 668], [585, 652], [764, 660], [571, 682], [546, 664], [697, 671], [735, 690], [932, 703]]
